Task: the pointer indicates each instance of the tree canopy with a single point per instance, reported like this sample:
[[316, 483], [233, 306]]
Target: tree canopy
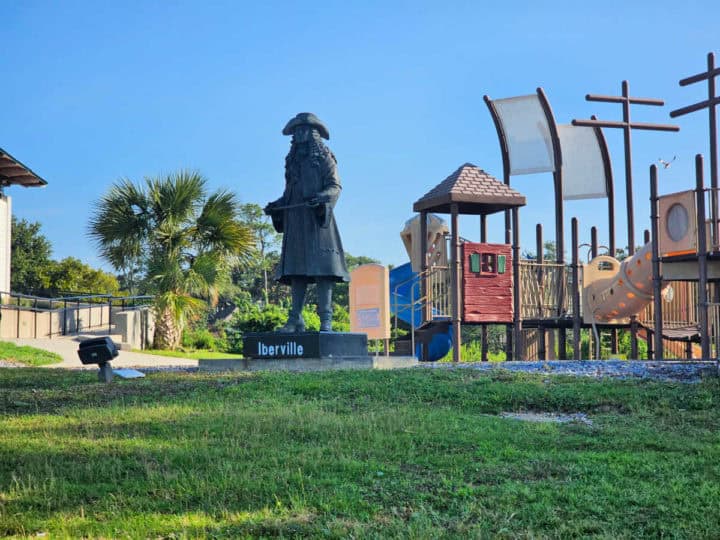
[[32, 271], [182, 239]]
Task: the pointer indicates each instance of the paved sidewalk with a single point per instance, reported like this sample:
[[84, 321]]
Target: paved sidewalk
[[67, 347]]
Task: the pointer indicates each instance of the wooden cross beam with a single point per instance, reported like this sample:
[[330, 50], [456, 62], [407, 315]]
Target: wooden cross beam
[[627, 126], [709, 104]]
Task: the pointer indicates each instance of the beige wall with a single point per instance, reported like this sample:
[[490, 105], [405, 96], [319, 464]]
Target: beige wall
[[5, 235]]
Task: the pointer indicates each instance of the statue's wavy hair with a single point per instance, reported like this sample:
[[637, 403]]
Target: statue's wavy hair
[[318, 151]]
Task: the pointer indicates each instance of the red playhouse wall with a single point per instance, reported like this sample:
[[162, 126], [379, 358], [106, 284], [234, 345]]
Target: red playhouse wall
[[487, 294]]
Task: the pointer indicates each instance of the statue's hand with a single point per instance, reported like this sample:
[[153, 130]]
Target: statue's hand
[[313, 202], [268, 208]]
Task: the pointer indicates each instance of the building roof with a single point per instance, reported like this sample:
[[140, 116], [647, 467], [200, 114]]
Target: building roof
[[474, 191], [12, 172]]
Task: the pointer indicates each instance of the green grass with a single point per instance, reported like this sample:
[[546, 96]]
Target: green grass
[[412, 454], [28, 356], [193, 355]]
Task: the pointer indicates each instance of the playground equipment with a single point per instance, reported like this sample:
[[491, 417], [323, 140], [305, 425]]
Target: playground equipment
[[666, 293], [613, 291]]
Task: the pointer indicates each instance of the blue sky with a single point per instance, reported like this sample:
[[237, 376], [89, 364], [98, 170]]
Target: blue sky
[[96, 91]]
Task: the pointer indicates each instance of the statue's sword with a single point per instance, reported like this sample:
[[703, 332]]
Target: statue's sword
[[289, 206]]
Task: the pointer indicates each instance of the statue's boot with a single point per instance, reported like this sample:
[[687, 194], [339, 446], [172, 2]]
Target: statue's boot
[[295, 322], [325, 309]]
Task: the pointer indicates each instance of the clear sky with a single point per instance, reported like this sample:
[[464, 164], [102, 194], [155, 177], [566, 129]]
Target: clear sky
[[95, 91]]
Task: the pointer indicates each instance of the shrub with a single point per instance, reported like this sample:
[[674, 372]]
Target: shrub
[[256, 319]]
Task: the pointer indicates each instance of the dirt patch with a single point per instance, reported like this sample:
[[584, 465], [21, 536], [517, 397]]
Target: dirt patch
[[555, 418]]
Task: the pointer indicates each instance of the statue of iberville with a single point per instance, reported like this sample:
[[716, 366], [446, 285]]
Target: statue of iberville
[[311, 248]]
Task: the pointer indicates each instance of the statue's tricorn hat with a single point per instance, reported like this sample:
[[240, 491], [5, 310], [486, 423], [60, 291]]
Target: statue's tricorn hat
[[306, 119]]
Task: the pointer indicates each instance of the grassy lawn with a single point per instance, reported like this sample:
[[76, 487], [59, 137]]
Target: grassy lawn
[[28, 356], [195, 355], [415, 453]]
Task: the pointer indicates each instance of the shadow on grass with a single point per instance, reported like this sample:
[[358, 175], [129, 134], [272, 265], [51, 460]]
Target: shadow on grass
[[301, 452]]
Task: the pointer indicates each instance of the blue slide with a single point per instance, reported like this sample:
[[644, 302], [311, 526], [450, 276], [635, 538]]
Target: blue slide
[[404, 290]]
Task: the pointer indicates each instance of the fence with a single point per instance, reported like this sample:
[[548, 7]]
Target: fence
[[26, 316], [544, 290]]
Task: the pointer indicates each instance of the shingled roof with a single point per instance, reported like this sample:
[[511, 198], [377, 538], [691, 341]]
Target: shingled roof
[[14, 172], [474, 191]]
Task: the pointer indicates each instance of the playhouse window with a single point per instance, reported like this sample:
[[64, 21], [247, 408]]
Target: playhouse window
[[487, 263]]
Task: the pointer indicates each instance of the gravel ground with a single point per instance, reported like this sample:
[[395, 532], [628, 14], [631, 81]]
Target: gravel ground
[[619, 369]]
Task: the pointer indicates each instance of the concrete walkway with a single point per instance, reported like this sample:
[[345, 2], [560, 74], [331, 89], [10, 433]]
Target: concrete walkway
[[67, 347]]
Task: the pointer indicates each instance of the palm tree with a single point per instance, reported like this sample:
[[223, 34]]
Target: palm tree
[[183, 240]]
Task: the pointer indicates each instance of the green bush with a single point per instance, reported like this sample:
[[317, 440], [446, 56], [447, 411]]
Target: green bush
[[259, 319], [199, 338], [341, 319]]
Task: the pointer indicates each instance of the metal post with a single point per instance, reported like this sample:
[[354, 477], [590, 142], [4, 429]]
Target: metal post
[[576, 289], [484, 328], [713, 151], [517, 322], [702, 258], [456, 283], [426, 306], [540, 277], [657, 278], [559, 213], [633, 338], [628, 168], [77, 316], [593, 242], [64, 330]]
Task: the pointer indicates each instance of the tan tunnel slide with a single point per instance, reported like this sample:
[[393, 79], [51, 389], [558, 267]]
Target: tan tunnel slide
[[613, 291]]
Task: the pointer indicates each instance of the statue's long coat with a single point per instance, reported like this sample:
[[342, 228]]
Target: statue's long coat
[[311, 246]]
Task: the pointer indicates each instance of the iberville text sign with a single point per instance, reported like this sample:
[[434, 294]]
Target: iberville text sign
[[304, 345]]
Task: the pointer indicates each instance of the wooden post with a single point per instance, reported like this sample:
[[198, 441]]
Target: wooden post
[[456, 284]]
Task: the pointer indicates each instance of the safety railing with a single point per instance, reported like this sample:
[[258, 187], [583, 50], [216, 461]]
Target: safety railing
[[679, 306], [28, 316], [437, 296], [714, 329], [544, 289]]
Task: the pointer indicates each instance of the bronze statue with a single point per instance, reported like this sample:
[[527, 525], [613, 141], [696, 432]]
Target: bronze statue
[[311, 249]]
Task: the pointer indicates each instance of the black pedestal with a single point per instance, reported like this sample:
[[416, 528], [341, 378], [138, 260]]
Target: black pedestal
[[271, 345]]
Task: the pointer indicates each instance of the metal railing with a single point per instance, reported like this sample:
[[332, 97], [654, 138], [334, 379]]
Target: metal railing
[[437, 296], [23, 315]]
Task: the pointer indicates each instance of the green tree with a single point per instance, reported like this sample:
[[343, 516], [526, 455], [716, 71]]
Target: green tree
[[30, 257], [184, 240], [71, 274], [266, 242]]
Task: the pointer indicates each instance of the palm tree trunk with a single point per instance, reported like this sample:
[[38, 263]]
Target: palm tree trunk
[[167, 333]]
